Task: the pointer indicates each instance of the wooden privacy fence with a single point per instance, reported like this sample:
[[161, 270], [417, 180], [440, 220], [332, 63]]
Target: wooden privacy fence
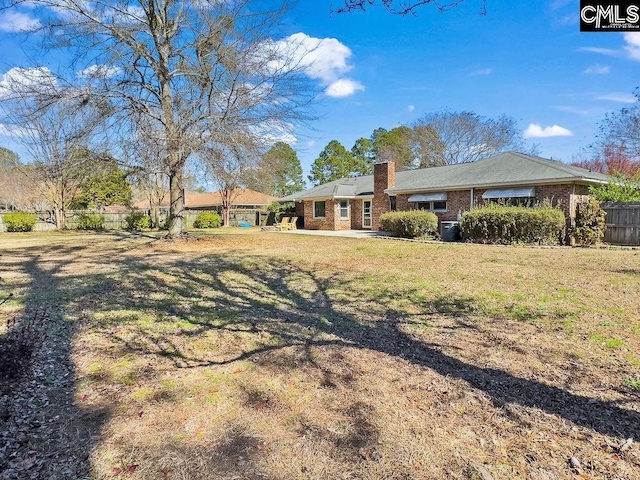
[[623, 223]]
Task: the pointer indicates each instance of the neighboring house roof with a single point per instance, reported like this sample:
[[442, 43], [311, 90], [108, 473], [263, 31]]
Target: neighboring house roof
[[499, 170], [244, 197]]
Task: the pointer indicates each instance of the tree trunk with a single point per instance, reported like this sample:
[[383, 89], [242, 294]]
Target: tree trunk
[[59, 218], [226, 216], [176, 204], [155, 215]]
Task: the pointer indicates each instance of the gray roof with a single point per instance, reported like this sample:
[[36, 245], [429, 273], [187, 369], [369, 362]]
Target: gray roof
[[342, 188], [504, 169]]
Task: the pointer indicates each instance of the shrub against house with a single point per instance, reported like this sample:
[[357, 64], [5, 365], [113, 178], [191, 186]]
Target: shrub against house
[[496, 223]]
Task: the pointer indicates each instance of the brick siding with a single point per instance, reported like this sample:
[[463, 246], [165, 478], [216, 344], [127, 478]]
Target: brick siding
[[384, 176], [356, 214], [331, 220], [564, 196]]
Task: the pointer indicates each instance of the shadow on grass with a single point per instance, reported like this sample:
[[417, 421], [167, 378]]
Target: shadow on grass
[[248, 295], [45, 433], [285, 305]]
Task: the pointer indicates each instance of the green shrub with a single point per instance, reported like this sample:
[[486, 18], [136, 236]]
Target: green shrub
[[19, 221], [411, 224], [507, 225], [137, 221], [590, 223], [619, 189], [207, 220], [90, 221]]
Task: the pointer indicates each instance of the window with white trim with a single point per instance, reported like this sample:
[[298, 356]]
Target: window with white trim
[[344, 210], [319, 209]]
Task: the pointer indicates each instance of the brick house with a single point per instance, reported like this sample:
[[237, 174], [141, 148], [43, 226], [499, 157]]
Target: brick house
[[513, 178]]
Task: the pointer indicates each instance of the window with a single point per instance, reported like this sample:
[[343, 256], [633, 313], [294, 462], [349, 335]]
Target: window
[[393, 204], [513, 201], [524, 196], [319, 209], [435, 206], [344, 210]]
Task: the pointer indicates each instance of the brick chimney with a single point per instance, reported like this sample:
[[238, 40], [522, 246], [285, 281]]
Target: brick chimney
[[384, 176]]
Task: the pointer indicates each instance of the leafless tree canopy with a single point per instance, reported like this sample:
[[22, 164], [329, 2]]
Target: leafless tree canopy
[[59, 126], [401, 7], [228, 162], [464, 137], [193, 72]]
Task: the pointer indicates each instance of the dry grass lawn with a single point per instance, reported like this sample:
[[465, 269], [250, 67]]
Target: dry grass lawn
[[276, 356]]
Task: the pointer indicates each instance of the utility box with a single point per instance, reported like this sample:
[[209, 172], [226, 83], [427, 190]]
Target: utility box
[[450, 231]]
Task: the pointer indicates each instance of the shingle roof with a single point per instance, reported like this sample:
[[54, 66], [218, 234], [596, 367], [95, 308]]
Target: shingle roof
[[243, 196], [213, 199], [504, 169], [342, 188]]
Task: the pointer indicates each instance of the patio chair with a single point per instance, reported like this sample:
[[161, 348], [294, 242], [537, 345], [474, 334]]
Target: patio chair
[[283, 225], [293, 223]]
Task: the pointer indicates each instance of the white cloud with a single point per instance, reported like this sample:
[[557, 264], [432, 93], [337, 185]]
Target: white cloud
[[99, 71], [482, 71], [343, 88], [24, 81], [633, 45], [323, 59], [569, 109], [597, 70], [411, 108], [273, 131], [12, 131], [310, 144], [603, 51], [12, 21], [537, 131], [618, 97]]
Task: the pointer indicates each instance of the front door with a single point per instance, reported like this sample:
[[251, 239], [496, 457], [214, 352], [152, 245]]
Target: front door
[[366, 214]]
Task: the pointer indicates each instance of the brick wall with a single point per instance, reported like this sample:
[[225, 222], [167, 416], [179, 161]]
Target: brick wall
[[326, 223], [356, 214], [331, 220], [457, 200], [384, 176]]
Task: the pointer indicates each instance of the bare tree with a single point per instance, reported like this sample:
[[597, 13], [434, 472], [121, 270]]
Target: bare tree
[[193, 70], [464, 137], [58, 126], [229, 161], [145, 151], [402, 7], [17, 191], [617, 146]]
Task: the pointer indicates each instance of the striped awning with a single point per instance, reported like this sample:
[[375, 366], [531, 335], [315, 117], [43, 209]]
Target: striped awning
[[428, 197]]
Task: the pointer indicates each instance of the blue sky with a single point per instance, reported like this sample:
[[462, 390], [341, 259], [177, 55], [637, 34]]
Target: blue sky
[[524, 59]]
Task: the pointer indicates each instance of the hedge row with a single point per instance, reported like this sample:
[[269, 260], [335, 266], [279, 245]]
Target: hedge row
[[507, 225], [411, 224], [90, 221], [207, 220], [19, 221]]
